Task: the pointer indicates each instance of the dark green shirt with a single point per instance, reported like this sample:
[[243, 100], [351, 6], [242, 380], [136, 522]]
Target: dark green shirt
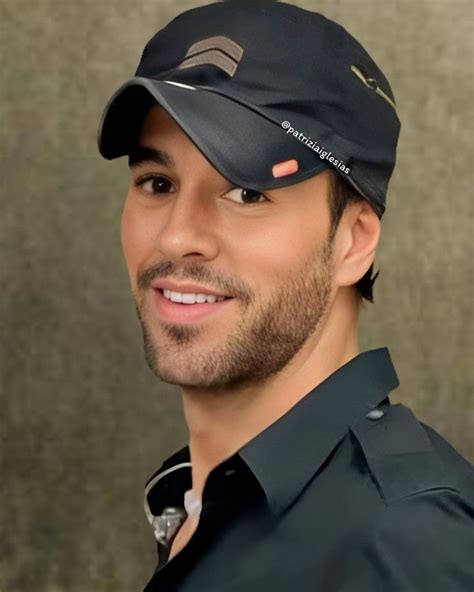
[[344, 493]]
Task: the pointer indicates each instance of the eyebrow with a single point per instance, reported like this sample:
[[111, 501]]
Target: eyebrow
[[146, 154]]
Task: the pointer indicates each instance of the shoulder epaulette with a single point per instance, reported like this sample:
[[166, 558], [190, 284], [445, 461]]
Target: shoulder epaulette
[[399, 453]]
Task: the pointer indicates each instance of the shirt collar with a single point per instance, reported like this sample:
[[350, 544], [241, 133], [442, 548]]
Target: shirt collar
[[289, 452], [285, 455]]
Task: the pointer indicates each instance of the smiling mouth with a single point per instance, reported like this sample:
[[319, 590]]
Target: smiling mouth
[[183, 313], [217, 301]]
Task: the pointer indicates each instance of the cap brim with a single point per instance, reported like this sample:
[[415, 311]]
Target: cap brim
[[240, 143]]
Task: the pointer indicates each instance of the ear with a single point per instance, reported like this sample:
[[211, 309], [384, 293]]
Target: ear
[[356, 241]]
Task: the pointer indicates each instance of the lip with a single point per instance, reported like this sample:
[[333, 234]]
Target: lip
[[174, 312], [189, 288]]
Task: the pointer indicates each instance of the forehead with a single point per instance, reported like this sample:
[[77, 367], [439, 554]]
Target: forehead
[[159, 125]]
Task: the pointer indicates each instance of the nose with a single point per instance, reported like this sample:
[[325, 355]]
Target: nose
[[188, 226]]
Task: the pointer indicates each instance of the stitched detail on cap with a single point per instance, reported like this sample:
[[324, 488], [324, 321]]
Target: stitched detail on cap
[[218, 42], [214, 58]]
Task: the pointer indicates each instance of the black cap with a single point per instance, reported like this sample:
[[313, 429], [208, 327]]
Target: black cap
[[258, 84]]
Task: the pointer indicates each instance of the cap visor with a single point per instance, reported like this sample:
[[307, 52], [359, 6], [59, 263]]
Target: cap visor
[[240, 143]]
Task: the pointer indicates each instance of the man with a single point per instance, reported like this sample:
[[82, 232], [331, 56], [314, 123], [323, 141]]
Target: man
[[261, 138]]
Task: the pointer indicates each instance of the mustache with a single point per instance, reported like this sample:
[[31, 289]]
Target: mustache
[[193, 272]]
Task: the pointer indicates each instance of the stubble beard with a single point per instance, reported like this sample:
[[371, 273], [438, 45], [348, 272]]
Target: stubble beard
[[267, 335]]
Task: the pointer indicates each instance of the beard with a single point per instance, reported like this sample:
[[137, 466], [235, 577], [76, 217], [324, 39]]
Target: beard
[[266, 338]]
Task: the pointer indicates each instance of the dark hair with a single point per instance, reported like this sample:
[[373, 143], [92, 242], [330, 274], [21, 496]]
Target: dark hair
[[341, 194]]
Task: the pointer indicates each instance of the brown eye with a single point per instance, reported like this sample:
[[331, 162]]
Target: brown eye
[[156, 184], [248, 196]]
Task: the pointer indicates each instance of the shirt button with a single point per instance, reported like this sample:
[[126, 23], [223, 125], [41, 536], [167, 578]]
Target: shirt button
[[375, 414], [229, 472]]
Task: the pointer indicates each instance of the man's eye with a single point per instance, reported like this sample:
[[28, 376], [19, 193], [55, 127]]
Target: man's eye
[[156, 184], [248, 196]]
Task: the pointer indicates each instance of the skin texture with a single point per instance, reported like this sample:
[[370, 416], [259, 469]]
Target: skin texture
[[295, 317]]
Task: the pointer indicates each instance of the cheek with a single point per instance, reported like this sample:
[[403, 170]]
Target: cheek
[[126, 232], [274, 252], [135, 237]]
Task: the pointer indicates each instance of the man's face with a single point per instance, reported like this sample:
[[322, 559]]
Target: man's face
[[269, 251]]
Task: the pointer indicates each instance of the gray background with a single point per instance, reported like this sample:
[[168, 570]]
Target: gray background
[[84, 422]]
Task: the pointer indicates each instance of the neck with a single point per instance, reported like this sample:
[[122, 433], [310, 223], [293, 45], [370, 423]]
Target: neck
[[221, 423]]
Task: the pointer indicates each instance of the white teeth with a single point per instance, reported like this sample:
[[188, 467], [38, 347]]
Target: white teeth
[[191, 298]]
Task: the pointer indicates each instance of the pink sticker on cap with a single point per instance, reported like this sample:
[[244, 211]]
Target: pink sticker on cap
[[283, 169]]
